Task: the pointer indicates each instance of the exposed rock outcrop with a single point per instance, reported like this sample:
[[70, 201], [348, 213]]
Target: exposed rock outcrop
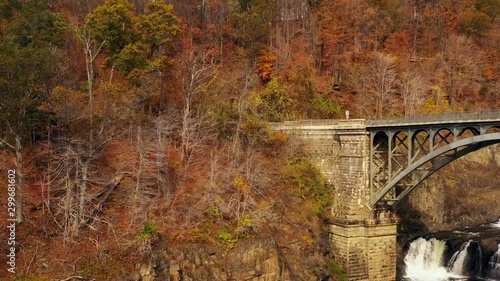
[[259, 259]]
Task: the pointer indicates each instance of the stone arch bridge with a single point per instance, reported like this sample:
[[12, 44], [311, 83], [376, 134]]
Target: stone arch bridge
[[372, 164]]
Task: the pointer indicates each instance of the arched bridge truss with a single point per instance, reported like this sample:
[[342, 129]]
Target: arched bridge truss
[[403, 155]]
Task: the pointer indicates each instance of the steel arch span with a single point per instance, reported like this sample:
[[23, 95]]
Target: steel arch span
[[438, 159], [403, 154]]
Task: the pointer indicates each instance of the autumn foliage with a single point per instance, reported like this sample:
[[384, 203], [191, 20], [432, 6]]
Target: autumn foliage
[[146, 120]]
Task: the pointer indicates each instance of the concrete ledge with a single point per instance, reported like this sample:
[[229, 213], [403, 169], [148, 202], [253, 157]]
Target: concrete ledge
[[364, 230]]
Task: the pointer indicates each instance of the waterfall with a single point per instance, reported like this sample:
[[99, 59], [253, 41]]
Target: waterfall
[[426, 253], [424, 261], [494, 265], [424, 258], [463, 254], [457, 262]]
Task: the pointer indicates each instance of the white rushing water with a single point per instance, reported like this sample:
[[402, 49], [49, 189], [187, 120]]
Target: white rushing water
[[455, 255], [457, 261], [494, 265], [496, 224], [424, 261]]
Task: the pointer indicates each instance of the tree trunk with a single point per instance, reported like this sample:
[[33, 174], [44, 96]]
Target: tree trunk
[[185, 138], [20, 175], [140, 149], [82, 195], [90, 72]]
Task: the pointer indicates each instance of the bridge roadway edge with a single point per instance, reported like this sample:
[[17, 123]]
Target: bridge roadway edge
[[363, 240]]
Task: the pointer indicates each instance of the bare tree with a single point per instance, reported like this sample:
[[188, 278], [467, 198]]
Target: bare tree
[[413, 90], [164, 131], [382, 83], [242, 106], [198, 71], [461, 68], [76, 185], [16, 148], [150, 166], [91, 49]]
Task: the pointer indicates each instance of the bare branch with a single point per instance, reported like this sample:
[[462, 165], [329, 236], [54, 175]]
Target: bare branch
[[7, 145], [72, 277]]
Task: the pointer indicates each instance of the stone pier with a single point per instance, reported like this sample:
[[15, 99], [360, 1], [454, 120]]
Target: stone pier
[[363, 240]]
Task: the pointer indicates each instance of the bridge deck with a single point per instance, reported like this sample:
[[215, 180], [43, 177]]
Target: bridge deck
[[447, 118], [411, 121]]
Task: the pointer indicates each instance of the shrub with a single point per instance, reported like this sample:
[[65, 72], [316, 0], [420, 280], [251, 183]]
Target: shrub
[[228, 238], [213, 210], [337, 270], [148, 231], [309, 182], [146, 235]]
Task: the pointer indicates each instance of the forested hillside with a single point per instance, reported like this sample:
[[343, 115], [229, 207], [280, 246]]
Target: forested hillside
[[140, 125]]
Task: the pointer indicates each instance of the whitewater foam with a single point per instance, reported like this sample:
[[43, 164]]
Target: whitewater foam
[[495, 224], [457, 261], [424, 261]]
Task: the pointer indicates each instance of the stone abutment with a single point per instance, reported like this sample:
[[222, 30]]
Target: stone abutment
[[363, 239]]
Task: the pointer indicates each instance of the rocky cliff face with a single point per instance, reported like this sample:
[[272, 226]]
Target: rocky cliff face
[[259, 259]]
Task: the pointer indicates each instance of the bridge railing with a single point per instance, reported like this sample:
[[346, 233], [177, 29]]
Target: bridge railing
[[316, 122], [450, 117], [441, 118], [313, 122]]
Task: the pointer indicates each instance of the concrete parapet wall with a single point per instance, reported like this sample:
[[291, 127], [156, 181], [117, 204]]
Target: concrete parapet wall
[[319, 125]]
